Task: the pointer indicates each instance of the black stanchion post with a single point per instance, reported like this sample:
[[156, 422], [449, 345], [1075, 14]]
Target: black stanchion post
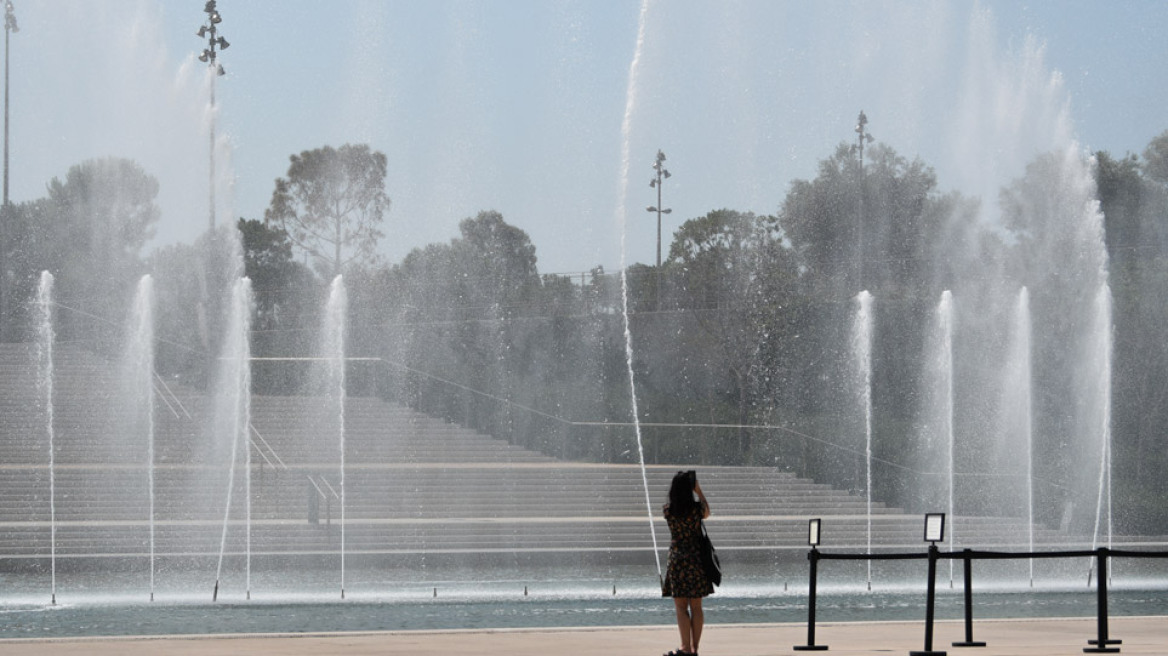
[[929, 606], [813, 556], [967, 563], [1101, 644]]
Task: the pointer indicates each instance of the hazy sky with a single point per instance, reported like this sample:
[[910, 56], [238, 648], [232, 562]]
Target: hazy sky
[[518, 105]]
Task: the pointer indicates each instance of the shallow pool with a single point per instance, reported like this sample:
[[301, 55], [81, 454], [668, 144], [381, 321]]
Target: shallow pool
[[106, 604]]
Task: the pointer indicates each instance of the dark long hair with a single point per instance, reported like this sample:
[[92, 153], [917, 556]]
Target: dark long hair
[[681, 495]]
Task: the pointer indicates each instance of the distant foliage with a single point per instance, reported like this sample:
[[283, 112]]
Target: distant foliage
[[740, 338], [332, 204], [89, 232]]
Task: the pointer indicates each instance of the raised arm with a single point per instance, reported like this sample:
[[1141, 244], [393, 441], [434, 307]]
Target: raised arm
[[702, 500]]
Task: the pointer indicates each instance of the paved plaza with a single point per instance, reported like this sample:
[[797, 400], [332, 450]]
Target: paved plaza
[[1045, 637]]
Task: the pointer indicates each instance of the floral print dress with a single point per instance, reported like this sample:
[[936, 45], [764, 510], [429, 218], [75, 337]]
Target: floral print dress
[[684, 576]]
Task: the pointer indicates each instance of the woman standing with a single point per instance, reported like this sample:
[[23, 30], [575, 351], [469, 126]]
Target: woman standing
[[685, 579]]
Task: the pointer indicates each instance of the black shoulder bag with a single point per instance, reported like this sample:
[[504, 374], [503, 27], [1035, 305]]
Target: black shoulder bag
[[710, 562]]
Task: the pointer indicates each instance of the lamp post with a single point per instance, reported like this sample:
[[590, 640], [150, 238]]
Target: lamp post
[[9, 28], [661, 174], [862, 137], [210, 31]]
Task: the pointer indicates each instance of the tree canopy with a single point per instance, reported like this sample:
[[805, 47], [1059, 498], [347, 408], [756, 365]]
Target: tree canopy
[[332, 204]]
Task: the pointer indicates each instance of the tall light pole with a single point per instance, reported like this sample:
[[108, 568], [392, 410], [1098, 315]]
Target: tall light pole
[[661, 174], [210, 31], [9, 28], [862, 137]]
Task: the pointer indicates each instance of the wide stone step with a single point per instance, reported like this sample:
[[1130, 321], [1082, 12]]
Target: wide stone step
[[414, 483]]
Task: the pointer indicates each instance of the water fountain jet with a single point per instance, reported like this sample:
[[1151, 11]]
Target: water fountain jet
[[862, 358], [233, 415], [45, 339], [622, 213], [140, 379], [333, 352]]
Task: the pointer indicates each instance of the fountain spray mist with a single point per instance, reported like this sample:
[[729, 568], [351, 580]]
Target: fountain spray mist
[[140, 353], [622, 216], [334, 354], [1104, 339], [45, 339], [862, 356], [234, 413], [945, 325], [1019, 388]]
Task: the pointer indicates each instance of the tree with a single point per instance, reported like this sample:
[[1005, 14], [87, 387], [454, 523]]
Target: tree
[[819, 217], [496, 262], [178, 270], [1156, 159], [890, 255], [106, 207], [332, 204], [285, 301], [27, 251], [1132, 202], [277, 279], [737, 276], [101, 216], [1058, 233]]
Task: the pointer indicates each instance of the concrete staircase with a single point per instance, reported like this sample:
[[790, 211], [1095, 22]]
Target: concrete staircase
[[414, 486]]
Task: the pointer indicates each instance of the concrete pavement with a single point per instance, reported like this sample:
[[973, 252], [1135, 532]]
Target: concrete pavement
[[1030, 637]]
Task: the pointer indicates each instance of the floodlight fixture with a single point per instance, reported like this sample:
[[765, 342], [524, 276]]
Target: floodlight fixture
[[863, 137], [210, 31], [934, 527], [656, 183], [813, 531], [10, 18], [9, 28]]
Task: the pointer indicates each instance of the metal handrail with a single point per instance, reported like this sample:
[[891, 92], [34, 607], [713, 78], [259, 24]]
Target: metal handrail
[[318, 490], [262, 454], [268, 446], [330, 487], [173, 396]]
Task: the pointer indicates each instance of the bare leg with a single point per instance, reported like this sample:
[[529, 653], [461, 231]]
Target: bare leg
[[697, 621], [684, 624]]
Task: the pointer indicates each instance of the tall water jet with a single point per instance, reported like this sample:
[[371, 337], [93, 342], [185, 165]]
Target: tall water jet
[[622, 215], [1104, 345], [333, 352], [1018, 403], [233, 412], [945, 322], [45, 338], [862, 357], [936, 452], [139, 359]]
